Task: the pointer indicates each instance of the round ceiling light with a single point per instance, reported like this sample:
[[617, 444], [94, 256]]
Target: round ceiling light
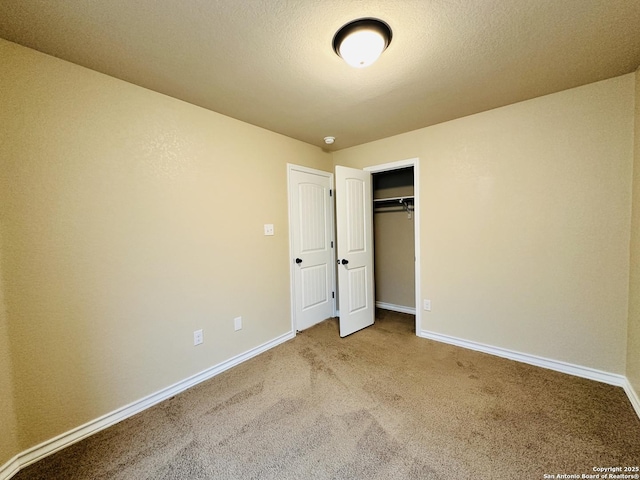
[[362, 41]]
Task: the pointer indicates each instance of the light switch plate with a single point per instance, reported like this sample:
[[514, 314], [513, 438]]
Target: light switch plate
[[268, 229], [427, 305], [237, 323]]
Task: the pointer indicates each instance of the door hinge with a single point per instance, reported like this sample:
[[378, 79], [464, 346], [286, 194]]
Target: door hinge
[[331, 243], [333, 294], [330, 193]]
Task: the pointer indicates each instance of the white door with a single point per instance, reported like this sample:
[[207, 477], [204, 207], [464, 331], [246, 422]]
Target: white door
[[311, 226], [355, 249]]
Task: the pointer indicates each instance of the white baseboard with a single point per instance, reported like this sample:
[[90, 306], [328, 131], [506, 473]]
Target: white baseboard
[[10, 468], [396, 308], [558, 366], [53, 445], [633, 396]]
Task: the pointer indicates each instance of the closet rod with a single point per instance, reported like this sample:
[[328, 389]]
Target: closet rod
[[406, 203], [394, 199]]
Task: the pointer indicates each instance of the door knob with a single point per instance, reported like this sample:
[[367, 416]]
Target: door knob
[[344, 261], [298, 260]]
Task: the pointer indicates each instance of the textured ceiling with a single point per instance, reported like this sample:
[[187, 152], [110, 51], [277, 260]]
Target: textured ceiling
[[270, 62]]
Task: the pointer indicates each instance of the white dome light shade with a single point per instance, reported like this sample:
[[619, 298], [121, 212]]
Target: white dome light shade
[[362, 48], [361, 42]]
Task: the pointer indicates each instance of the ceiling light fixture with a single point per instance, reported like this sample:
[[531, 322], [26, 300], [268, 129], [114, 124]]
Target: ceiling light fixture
[[362, 41], [329, 140]]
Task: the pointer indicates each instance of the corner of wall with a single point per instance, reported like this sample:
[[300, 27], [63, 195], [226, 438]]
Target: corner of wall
[[633, 325], [9, 442], [9, 439]]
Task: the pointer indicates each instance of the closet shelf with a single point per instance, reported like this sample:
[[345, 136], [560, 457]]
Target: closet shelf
[[407, 199]]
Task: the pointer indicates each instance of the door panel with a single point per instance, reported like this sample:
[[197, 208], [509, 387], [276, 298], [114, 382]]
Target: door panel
[[312, 215], [311, 233], [355, 249], [314, 286], [357, 289], [356, 225]]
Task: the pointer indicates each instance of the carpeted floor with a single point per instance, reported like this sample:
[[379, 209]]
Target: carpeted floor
[[379, 404]]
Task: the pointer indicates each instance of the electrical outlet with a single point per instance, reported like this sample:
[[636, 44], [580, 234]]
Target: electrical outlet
[[198, 337], [237, 323], [268, 229], [427, 305]]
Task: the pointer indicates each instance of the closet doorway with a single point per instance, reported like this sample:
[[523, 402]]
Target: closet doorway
[[396, 232], [395, 292]]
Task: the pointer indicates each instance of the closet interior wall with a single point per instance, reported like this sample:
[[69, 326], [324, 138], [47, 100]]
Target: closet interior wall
[[394, 240]]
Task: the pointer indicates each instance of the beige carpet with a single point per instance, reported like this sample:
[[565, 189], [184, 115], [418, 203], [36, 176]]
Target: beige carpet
[[380, 404]]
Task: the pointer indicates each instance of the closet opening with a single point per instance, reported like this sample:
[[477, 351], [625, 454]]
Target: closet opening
[[394, 238]]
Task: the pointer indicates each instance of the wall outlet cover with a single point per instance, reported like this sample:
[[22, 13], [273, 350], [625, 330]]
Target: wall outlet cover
[[198, 337], [427, 305], [268, 229]]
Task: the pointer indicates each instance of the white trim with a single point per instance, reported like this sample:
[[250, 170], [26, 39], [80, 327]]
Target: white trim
[[415, 163], [633, 396], [384, 167], [417, 234], [10, 468], [55, 444], [396, 308], [331, 220], [558, 366]]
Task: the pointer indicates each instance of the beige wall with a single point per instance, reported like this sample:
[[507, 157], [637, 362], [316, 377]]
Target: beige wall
[[633, 345], [9, 445], [525, 215], [394, 258], [130, 220]]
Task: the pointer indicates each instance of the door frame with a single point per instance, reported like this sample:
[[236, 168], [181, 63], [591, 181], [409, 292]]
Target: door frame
[[415, 163], [332, 236]]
